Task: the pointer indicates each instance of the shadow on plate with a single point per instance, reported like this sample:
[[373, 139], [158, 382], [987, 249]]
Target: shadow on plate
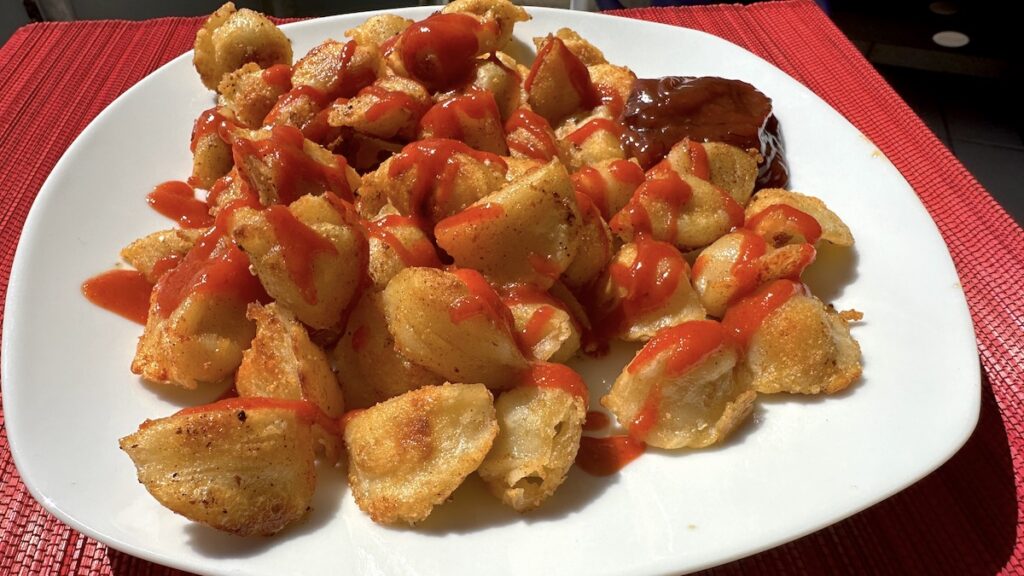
[[833, 270]]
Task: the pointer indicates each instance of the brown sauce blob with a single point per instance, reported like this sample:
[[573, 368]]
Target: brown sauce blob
[[663, 111]]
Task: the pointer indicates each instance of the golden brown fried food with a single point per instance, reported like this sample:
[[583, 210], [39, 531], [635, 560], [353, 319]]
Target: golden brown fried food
[[831, 227], [211, 152], [646, 288], [310, 256], [614, 84], [472, 118], [370, 367], [379, 30], [389, 108], [338, 69], [229, 39], [595, 246], [408, 454], [239, 466], [793, 342], [503, 13], [397, 242], [586, 52], [160, 251], [591, 139], [499, 76], [547, 327], [679, 390], [250, 92], [727, 167], [539, 429], [526, 232], [609, 184], [558, 83], [196, 329], [453, 324]]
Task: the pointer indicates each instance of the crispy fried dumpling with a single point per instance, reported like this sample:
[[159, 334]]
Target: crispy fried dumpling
[[472, 118], [309, 256], [229, 39], [381, 30], [244, 465], [547, 327], [609, 184], [679, 390], [156, 253], [409, 453], [389, 108], [337, 69], [793, 343], [250, 92], [397, 242], [558, 83], [528, 231], [370, 368], [540, 423], [454, 324], [781, 216]]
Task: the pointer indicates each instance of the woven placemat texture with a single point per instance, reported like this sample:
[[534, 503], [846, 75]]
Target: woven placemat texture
[[962, 519]]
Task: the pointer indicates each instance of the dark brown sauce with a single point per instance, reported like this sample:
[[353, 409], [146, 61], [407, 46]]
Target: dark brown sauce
[[662, 111]]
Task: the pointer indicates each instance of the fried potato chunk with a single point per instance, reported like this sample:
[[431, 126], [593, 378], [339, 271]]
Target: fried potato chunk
[[196, 329], [282, 165], [539, 432], [529, 136], [587, 53], [595, 246], [431, 179], [499, 76], [378, 30], [370, 367], [614, 84], [472, 118], [799, 346], [250, 92], [389, 108], [832, 228], [338, 69], [397, 242], [527, 232], [283, 363], [501, 12], [739, 262], [453, 324], [609, 184], [408, 454], [681, 209], [591, 139], [229, 39], [310, 257], [727, 167], [558, 83], [679, 390], [239, 466], [546, 326], [154, 254], [211, 152], [646, 288]]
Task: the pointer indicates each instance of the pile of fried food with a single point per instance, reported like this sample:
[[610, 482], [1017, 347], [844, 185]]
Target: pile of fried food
[[412, 231]]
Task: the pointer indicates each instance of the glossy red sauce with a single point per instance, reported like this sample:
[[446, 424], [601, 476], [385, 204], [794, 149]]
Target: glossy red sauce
[[596, 421], [391, 102], [317, 98], [581, 134], [610, 97], [291, 166], [664, 189], [165, 264], [746, 269], [606, 456], [419, 253], [441, 50], [177, 201], [781, 223], [472, 215], [449, 118], [211, 122], [123, 292], [352, 79], [214, 266], [627, 172], [552, 375], [525, 294], [554, 50], [538, 142], [589, 182], [745, 316], [299, 248], [278, 76], [699, 165], [732, 209], [536, 327], [544, 265], [481, 300], [435, 163], [306, 411], [649, 282]]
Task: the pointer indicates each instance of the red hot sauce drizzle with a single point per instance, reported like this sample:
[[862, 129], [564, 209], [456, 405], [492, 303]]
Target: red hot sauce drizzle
[[682, 348], [299, 247], [699, 165], [421, 253], [177, 201], [278, 76], [306, 411], [649, 282], [436, 166], [123, 292], [560, 376], [441, 50], [481, 300], [663, 188], [783, 223], [471, 215], [745, 316], [596, 421], [606, 456], [579, 77], [539, 139], [583, 133], [211, 122], [446, 119]]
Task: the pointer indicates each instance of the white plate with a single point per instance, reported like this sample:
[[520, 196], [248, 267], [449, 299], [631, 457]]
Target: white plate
[[801, 465]]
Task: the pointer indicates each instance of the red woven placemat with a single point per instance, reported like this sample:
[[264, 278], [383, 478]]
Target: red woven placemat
[[962, 519]]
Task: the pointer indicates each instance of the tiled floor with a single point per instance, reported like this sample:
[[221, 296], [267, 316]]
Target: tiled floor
[[979, 119]]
